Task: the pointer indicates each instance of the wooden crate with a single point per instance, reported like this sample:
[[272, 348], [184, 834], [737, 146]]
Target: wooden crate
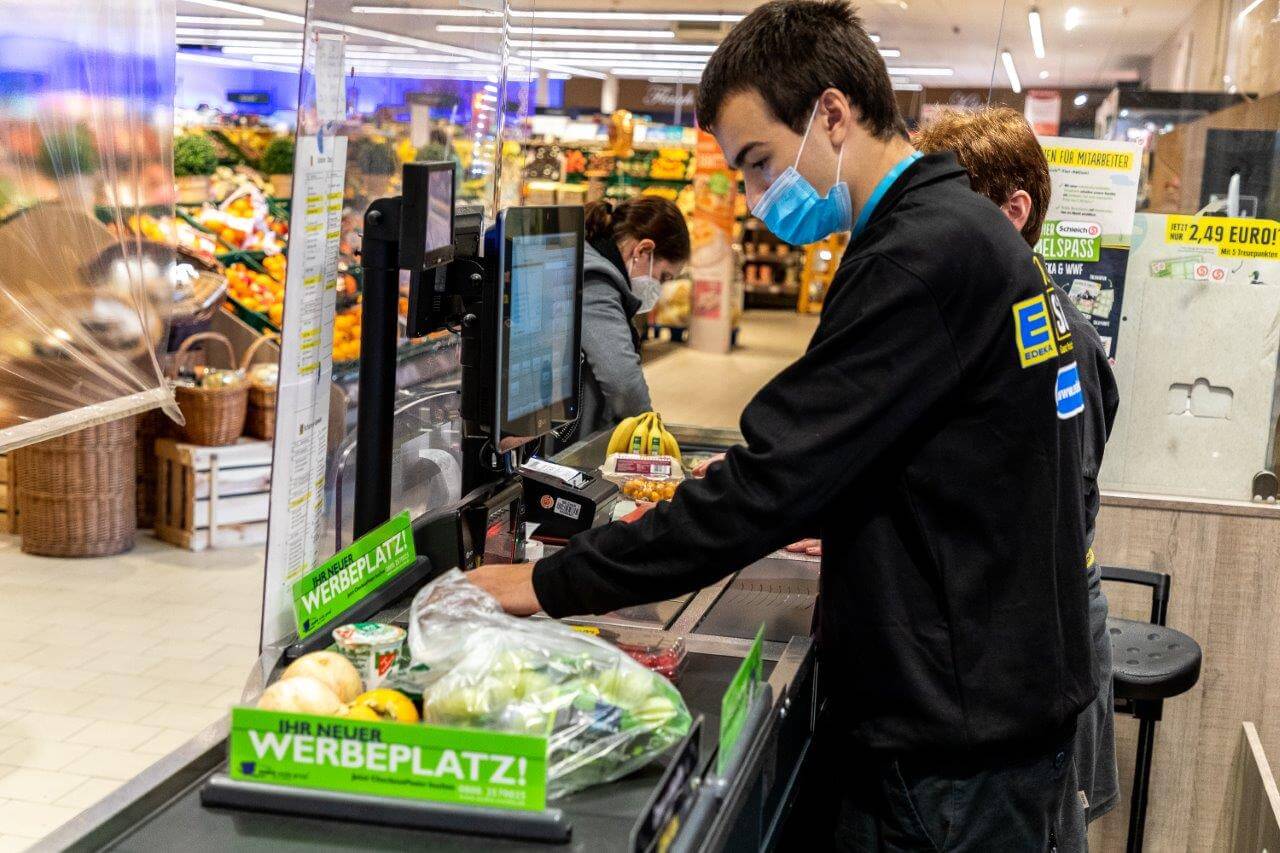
[[8, 495], [212, 497]]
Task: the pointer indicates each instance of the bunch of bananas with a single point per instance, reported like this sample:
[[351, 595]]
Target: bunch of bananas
[[644, 434]]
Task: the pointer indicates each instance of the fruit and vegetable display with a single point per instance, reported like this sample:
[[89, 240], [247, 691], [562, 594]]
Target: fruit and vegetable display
[[194, 154], [174, 231], [257, 291], [263, 293], [644, 434], [245, 222], [675, 304], [603, 713], [228, 181], [672, 164], [346, 334]]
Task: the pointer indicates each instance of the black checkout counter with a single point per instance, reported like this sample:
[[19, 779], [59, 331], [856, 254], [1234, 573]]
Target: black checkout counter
[[743, 808]]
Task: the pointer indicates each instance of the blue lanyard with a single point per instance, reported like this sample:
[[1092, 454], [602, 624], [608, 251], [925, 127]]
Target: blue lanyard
[[876, 194]]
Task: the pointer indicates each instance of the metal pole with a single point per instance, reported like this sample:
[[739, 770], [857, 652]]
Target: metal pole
[[1141, 785], [380, 294]]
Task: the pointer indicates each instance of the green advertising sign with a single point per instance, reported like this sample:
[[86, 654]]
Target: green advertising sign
[[1070, 241], [444, 765], [737, 699], [353, 573]]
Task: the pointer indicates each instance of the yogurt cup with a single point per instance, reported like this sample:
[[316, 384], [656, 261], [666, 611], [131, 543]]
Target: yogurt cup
[[373, 647]]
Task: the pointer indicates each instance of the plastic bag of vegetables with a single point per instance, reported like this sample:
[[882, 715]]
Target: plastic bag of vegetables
[[603, 714]]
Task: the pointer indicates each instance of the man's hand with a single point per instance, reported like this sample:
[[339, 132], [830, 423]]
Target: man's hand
[[700, 470], [812, 547], [511, 584]]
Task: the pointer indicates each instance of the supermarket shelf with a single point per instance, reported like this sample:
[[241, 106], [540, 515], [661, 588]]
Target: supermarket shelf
[[788, 260], [623, 180]]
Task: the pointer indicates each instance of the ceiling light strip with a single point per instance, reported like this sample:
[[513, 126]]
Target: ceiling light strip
[[218, 20], [531, 44], [1037, 32], [1014, 82], [557, 31], [244, 8], [922, 71]]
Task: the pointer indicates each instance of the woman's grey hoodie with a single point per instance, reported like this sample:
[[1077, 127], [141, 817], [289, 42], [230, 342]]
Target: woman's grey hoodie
[[613, 384]]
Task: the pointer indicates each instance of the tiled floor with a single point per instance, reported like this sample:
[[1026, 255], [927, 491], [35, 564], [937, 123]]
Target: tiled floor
[[710, 389], [110, 664]]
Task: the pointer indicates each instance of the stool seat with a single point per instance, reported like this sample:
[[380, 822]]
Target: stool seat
[[1151, 662]]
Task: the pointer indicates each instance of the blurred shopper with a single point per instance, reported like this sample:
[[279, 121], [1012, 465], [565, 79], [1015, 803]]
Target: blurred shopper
[[632, 248], [1006, 164]]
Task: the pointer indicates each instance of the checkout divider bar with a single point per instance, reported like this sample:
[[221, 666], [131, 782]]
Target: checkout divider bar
[[745, 806]]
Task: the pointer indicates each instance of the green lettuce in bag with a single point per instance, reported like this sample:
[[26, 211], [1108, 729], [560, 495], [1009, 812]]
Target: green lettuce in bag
[[603, 714]]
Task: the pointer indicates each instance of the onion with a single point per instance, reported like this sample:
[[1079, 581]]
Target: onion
[[330, 668], [300, 695]]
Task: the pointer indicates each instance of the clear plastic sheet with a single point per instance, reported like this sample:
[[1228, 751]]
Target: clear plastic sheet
[[603, 713], [86, 143]]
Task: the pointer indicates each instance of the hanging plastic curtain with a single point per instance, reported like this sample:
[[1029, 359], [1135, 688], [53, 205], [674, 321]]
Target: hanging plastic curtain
[[86, 138]]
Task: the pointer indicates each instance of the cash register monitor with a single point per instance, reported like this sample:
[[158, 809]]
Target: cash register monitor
[[426, 217], [539, 324]]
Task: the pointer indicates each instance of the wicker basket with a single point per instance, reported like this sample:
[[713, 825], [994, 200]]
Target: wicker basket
[[215, 416], [261, 420], [151, 425], [76, 493]]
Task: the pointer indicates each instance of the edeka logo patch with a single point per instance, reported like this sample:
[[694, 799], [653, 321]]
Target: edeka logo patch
[[1068, 396], [1031, 328]]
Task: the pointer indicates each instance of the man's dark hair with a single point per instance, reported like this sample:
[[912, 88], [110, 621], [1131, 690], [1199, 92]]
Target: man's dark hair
[[791, 51]]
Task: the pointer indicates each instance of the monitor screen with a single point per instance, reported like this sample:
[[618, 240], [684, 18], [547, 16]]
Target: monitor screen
[[439, 210], [538, 319], [542, 355], [426, 216]]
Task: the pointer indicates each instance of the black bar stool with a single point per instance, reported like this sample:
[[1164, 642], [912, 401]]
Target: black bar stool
[[1150, 663]]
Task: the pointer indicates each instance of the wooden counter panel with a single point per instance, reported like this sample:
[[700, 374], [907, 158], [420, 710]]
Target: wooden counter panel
[[1225, 594]]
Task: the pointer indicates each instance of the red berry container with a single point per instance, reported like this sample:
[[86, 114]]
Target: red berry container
[[663, 653]]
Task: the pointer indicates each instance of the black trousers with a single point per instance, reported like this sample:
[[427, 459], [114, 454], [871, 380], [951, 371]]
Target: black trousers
[[859, 801]]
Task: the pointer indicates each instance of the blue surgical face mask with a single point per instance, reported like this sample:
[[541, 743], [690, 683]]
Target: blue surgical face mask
[[792, 209]]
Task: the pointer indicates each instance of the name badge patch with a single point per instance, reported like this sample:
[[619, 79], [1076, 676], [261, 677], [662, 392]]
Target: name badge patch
[[1032, 330], [1067, 395]]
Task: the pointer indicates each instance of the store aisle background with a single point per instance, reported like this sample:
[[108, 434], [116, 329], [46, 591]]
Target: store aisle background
[[710, 389], [111, 663]]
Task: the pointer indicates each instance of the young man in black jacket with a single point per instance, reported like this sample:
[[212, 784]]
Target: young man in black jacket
[[930, 434]]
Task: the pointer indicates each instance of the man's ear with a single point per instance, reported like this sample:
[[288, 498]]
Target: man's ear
[[836, 115], [1018, 208]]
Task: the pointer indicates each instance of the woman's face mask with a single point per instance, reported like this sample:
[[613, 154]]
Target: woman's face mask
[[645, 287]]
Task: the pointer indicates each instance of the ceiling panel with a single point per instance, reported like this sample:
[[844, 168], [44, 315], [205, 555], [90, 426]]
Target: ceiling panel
[[1109, 43]]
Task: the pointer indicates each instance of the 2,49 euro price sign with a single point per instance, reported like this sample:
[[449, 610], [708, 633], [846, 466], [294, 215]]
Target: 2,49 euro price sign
[[444, 765]]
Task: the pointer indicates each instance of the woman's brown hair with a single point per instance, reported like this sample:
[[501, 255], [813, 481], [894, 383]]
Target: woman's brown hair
[[644, 217]]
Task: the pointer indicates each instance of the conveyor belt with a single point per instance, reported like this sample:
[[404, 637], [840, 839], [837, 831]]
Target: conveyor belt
[[161, 809], [779, 592], [602, 817]]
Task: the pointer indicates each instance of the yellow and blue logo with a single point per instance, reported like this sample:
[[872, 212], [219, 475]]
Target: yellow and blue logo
[[1033, 332]]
